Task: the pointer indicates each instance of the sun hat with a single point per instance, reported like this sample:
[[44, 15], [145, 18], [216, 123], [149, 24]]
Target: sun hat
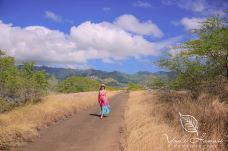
[[102, 85]]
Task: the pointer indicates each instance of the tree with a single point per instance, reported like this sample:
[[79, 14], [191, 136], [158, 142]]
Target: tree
[[35, 83], [18, 86], [189, 72], [9, 82], [212, 45], [202, 58]]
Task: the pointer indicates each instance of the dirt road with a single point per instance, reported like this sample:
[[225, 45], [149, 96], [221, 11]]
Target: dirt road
[[84, 131]]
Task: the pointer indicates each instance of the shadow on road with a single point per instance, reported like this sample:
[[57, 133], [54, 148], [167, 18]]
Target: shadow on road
[[98, 115]]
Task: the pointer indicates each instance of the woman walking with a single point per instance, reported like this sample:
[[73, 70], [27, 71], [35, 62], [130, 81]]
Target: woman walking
[[103, 102]]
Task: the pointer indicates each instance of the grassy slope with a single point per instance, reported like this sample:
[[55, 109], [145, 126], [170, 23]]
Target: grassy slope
[[147, 118], [23, 123]]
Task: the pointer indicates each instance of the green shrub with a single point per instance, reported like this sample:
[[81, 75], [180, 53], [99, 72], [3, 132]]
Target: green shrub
[[134, 87], [78, 84], [18, 86], [34, 83]]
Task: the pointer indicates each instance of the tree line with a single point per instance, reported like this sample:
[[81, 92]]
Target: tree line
[[23, 84]]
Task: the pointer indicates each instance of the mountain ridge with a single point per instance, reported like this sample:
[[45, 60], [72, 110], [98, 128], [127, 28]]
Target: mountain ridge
[[113, 78]]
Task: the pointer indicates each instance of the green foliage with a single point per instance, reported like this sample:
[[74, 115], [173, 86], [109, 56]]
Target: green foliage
[[213, 48], [9, 82], [200, 59], [27, 69], [18, 86], [158, 82], [190, 72], [134, 87], [78, 84], [34, 84]]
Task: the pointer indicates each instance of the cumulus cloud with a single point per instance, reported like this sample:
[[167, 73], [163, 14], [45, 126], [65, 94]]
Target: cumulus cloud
[[192, 23], [142, 4], [132, 24], [104, 41]]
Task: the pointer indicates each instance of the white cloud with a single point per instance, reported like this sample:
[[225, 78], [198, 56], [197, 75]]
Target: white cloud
[[53, 16], [192, 23], [56, 18], [110, 40], [204, 7], [104, 41], [142, 4], [132, 24], [193, 5]]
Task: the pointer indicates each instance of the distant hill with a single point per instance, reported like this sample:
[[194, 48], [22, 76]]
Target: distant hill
[[78, 84], [115, 78]]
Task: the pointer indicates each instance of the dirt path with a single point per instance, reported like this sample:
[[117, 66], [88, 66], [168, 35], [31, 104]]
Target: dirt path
[[85, 131]]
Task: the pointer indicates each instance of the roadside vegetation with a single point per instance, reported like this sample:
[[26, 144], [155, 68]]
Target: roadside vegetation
[[200, 89], [151, 116], [20, 86], [202, 74], [199, 60]]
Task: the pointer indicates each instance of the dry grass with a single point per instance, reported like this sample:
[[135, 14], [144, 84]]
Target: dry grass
[[209, 110], [150, 115], [144, 131], [23, 123]]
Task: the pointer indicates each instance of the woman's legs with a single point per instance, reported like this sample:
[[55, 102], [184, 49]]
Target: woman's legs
[[101, 112]]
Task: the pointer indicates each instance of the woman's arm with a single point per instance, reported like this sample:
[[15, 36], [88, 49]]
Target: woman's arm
[[98, 97], [105, 93]]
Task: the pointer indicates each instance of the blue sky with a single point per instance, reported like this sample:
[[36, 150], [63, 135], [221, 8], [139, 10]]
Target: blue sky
[[109, 35]]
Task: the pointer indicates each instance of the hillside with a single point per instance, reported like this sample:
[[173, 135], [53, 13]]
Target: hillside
[[114, 78]]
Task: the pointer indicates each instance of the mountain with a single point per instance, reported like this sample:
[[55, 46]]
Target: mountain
[[114, 78]]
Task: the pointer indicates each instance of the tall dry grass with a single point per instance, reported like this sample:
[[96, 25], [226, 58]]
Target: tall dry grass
[[208, 109], [144, 132], [150, 115], [23, 123]]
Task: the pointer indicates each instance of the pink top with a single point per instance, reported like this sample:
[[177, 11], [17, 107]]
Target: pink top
[[102, 99]]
